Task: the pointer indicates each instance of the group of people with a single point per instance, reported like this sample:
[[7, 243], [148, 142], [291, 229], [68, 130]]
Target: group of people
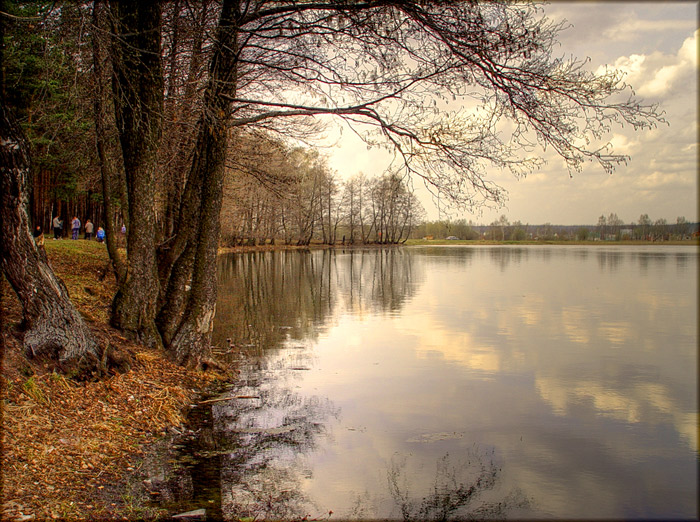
[[75, 229]]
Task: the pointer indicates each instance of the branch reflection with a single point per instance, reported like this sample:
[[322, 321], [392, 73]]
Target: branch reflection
[[262, 434], [459, 490]]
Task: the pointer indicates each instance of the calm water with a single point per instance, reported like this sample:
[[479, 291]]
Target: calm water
[[449, 382]]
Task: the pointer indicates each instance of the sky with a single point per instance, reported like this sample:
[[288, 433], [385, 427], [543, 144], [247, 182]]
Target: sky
[[655, 44]]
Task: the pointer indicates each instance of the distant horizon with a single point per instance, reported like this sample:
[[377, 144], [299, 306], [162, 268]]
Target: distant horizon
[[549, 223]]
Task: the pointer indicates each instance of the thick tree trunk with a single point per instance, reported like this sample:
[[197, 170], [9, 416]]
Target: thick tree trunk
[[200, 224], [193, 336], [53, 328], [138, 89]]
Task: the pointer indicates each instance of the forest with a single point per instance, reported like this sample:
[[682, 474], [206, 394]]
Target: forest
[[192, 125]]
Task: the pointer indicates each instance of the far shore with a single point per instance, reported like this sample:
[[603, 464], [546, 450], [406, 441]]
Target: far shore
[[453, 242], [477, 242]]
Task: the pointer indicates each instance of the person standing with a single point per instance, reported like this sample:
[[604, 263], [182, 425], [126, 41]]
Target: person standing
[[89, 229], [75, 227], [57, 227]]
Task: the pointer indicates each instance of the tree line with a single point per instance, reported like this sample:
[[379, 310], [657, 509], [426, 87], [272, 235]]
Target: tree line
[[303, 200], [148, 113], [607, 228]]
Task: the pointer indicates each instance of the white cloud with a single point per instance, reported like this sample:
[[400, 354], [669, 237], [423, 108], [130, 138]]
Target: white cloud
[[623, 144], [689, 50], [657, 74], [662, 81]]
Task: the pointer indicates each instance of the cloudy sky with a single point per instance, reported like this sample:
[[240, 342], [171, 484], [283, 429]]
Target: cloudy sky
[[656, 45]]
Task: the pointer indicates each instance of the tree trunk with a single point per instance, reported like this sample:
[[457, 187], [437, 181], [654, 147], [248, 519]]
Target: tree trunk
[[138, 99], [181, 140], [53, 328], [192, 337], [108, 169]]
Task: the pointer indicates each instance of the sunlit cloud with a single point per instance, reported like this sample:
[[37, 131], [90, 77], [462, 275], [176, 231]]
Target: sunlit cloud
[[689, 50], [656, 180], [658, 73], [623, 144]]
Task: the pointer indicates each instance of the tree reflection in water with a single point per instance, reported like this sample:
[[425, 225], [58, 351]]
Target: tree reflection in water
[[266, 298], [262, 434], [457, 492]]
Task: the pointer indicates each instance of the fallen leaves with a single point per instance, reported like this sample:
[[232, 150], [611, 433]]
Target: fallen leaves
[[60, 437], [69, 448]]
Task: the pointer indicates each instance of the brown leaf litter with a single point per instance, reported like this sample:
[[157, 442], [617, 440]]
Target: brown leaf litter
[[70, 449]]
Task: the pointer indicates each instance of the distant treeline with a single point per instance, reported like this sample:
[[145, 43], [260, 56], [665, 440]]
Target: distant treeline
[[503, 230]]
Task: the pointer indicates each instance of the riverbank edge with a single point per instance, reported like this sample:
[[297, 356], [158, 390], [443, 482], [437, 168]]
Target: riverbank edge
[[459, 242], [593, 244]]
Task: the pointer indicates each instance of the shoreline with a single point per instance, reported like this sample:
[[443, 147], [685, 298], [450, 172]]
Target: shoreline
[[458, 242], [593, 244]]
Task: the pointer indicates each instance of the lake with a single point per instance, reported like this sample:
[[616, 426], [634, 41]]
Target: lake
[[433, 383]]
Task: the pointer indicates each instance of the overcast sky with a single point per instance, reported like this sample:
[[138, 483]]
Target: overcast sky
[[656, 45]]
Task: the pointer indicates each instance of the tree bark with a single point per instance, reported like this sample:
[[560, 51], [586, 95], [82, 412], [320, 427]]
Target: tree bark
[[53, 328], [200, 224], [138, 98], [110, 177]]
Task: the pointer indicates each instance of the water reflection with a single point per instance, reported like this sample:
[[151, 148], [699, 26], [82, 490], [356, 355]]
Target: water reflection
[[503, 257], [457, 492], [610, 260], [576, 367], [267, 298], [262, 432]]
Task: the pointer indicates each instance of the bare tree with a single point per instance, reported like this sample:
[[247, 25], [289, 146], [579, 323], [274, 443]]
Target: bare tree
[[503, 223], [382, 63], [602, 222], [352, 202], [138, 104], [112, 171], [394, 209], [645, 224]]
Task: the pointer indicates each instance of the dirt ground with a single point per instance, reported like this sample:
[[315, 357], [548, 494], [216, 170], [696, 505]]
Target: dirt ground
[[75, 450]]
